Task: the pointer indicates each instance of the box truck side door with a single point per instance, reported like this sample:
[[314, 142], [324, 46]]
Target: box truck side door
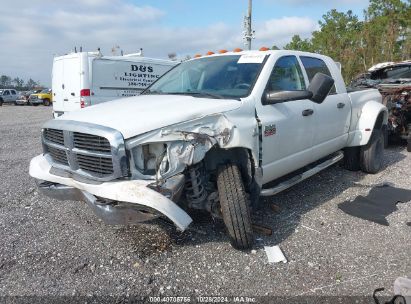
[[71, 84], [57, 86]]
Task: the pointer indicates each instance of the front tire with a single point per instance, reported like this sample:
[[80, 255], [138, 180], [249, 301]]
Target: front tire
[[235, 206], [46, 102], [372, 154]]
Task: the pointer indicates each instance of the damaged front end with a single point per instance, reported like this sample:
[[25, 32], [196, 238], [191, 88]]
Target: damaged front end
[[180, 150], [157, 174]]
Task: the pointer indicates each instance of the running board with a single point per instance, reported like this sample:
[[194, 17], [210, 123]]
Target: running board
[[336, 157]]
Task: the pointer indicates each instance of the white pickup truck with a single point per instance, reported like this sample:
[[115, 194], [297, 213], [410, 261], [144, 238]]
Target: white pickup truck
[[214, 134]]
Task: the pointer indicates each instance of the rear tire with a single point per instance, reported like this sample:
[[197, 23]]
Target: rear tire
[[235, 206], [409, 143], [352, 158], [371, 155], [1, 102]]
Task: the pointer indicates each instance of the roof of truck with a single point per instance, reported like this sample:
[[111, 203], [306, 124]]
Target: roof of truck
[[256, 52]]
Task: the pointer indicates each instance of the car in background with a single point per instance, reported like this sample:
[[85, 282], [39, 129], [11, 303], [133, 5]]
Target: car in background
[[393, 80], [44, 97], [8, 96], [23, 98]]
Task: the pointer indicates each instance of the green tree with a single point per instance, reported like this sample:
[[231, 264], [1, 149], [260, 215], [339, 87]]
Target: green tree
[[387, 31], [18, 82], [340, 38], [299, 44], [5, 80], [31, 84]]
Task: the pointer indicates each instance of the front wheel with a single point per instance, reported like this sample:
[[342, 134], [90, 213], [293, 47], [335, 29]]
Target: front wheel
[[372, 155], [46, 102], [235, 206]]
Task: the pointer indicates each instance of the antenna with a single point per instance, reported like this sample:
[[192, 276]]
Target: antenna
[[248, 32]]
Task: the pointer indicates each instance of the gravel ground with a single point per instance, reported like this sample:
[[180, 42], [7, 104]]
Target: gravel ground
[[51, 247]]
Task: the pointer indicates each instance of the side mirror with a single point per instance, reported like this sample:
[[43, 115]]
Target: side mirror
[[320, 87], [284, 96]]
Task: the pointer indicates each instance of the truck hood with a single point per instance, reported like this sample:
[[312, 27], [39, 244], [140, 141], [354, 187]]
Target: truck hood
[[140, 114]]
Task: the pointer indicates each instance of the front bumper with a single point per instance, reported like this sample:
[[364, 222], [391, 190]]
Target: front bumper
[[36, 101], [120, 202], [21, 101]]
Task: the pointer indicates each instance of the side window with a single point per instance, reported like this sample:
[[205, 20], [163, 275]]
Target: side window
[[13, 92], [313, 66], [286, 75], [6, 93]]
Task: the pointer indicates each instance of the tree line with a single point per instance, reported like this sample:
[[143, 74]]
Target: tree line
[[383, 35], [6, 82]]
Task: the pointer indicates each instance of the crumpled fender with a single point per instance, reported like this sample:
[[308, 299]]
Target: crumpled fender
[[131, 191]]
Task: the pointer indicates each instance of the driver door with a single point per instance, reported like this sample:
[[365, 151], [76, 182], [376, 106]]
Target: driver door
[[287, 127]]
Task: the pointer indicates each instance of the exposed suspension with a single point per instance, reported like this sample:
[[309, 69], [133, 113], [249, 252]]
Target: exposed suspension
[[196, 192]]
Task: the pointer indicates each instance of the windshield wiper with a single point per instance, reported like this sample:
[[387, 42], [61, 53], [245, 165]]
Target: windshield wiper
[[149, 92], [198, 94]]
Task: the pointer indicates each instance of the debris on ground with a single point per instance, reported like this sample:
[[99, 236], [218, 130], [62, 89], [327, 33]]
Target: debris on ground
[[275, 208], [402, 286], [274, 254], [261, 229]]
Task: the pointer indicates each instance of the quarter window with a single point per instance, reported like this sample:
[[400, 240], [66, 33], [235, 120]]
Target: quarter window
[[286, 75], [313, 66]]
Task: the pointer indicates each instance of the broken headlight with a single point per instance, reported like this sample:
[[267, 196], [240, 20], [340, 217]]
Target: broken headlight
[[150, 159]]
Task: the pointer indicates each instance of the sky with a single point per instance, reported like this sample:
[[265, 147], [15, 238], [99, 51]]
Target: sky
[[32, 32]]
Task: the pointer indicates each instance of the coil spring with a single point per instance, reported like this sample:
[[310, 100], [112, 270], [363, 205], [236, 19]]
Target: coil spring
[[195, 189]]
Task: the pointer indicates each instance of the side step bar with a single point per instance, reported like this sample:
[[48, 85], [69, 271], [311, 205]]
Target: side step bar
[[336, 157]]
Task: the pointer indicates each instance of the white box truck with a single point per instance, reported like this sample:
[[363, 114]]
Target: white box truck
[[82, 79]]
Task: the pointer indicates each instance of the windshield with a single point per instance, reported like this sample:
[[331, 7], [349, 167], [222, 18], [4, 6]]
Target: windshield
[[214, 77], [45, 91]]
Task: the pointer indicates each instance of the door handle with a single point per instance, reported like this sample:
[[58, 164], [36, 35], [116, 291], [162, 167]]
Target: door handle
[[65, 99], [308, 112], [72, 94], [340, 105]]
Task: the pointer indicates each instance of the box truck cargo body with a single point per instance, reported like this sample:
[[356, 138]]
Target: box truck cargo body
[[87, 78]]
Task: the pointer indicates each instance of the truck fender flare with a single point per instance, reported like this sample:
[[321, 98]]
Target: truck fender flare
[[372, 115]]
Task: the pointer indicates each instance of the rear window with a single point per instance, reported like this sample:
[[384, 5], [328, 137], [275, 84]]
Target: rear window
[[313, 66]]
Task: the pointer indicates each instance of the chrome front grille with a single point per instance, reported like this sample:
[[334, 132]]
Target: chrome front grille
[[101, 166], [54, 136], [58, 155], [91, 142], [86, 150]]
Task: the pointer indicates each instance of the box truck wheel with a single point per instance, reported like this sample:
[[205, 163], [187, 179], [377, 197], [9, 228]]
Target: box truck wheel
[[235, 206]]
